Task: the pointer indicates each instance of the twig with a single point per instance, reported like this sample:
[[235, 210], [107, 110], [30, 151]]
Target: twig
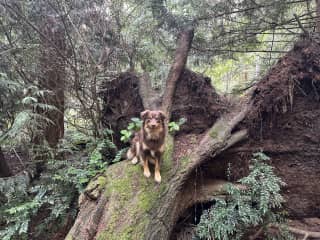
[[15, 152], [257, 234], [305, 233], [300, 25]]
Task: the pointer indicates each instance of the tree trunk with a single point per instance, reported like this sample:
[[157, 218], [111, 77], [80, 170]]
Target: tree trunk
[[180, 60], [4, 167], [52, 67], [123, 204], [318, 16], [172, 204]]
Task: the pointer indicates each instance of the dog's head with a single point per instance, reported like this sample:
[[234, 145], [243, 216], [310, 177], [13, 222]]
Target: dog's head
[[153, 122]]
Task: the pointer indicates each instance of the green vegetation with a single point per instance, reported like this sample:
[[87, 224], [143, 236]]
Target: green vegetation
[[175, 126], [133, 197], [256, 204], [54, 191], [134, 125], [55, 60]]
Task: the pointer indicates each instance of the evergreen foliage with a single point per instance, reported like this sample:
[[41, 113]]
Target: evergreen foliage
[[257, 204], [57, 188]]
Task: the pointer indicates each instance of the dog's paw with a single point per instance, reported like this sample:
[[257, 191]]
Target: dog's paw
[[157, 177], [134, 160], [146, 173]]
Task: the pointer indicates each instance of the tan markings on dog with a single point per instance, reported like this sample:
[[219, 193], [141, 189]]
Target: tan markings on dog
[[157, 176], [146, 170]]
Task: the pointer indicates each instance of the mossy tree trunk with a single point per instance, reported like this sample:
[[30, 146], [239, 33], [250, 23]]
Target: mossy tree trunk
[[124, 205]]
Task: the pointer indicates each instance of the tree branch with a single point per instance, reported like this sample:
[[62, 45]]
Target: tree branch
[[178, 65]]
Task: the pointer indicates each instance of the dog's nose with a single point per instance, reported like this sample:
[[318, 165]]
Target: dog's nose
[[153, 125]]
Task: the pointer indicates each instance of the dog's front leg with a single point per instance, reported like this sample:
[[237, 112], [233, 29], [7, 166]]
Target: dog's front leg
[[146, 170], [157, 176]]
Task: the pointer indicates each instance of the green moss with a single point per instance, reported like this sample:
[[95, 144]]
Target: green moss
[[132, 197], [102, 181], [217, 130], [213, 133], [69, 237], [184, 161]]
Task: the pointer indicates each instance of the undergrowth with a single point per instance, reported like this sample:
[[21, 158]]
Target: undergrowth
[[256, 205], [68, 169]]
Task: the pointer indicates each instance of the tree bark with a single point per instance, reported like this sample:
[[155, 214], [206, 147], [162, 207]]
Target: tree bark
[[118, 207], [180, 59], [52, 67], [4, 167], [124, 204], [318, 16], [216, 140]]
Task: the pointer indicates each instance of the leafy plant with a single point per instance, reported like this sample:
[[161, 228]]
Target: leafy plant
[[134, 125], [56, 189], [248, 207], [175, 126]]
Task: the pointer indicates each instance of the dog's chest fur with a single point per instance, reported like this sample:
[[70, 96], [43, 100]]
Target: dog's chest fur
[[152, 141]]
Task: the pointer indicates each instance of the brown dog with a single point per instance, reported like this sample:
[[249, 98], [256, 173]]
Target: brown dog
[[148, 144]]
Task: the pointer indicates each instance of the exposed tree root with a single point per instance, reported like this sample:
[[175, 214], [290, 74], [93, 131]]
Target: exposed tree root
[[306, 234]]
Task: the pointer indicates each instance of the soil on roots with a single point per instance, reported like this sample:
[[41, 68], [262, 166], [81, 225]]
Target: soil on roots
[[195, 100], [284, 123]]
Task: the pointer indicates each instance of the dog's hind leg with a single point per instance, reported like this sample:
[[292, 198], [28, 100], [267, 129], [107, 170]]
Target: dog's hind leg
[[133, 153], [135, 159]]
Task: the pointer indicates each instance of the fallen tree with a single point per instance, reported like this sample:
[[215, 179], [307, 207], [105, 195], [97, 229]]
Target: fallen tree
[[122, 204]]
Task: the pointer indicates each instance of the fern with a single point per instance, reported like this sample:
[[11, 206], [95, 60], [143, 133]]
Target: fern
[[245, 208]]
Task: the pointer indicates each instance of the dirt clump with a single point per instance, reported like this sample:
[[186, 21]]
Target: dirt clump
[[195, 100], [285, 123]]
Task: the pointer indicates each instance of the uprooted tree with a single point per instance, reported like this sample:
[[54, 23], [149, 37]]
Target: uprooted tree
[[122, 204]]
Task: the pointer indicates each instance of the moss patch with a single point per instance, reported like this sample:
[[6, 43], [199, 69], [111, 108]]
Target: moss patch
[[217, 129], [132, 197]]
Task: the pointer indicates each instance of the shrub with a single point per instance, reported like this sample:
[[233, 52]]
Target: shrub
[[254, 205]]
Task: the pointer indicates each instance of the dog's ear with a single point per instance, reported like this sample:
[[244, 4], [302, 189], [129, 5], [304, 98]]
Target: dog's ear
[[162, 115], [144, 114]]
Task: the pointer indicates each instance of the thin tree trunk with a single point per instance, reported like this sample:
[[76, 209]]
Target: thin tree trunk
[[52, 78], [318, 16], [4, 167], [180, 59]]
